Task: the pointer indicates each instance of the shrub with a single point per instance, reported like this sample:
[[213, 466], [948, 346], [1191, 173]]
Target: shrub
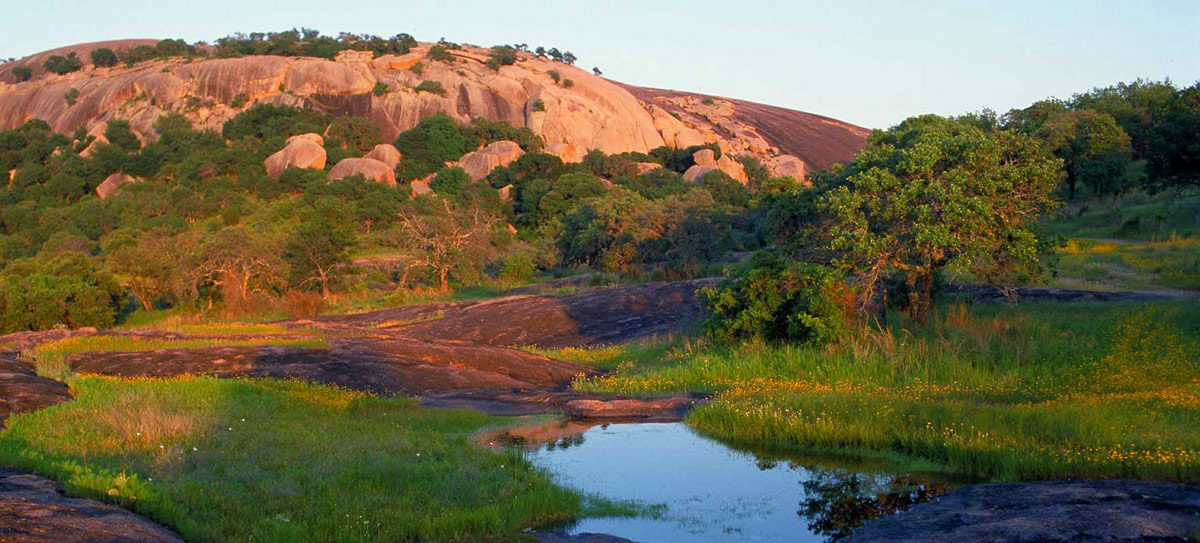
[[380, 89], [71, 96], [430, 86], [119, 134], [264, 120], [418, 68], [449, 181], [104, 57], [440, 52], [568, 83], [539, 105], [554, 75], [62, 65], [429, 145], [21, 73], [504, 55], [774, 299], [239, 100]]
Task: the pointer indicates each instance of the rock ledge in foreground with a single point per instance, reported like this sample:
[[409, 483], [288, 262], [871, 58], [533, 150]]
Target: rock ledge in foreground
[[1075, 511]]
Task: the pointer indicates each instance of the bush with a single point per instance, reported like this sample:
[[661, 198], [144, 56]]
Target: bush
[[380, 89], [431, 86], [239, 100], [264, 121], [104, 57], [449, 181], [503, 55], [440, 52], [429, 145], [62, 65], [71, 96], [119, 134], [21, 73], [774, 299]]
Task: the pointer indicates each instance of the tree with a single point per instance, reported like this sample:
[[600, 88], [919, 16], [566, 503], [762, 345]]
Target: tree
[[318, 248], [540, 52], [449, 182], [241, 262], [104, 57], [596, 70], [1173, 157], [931, 190], [118, 133], [1095, 150], [62, 65], [21, 73], [447, 239], [149, 261], [569, 57]]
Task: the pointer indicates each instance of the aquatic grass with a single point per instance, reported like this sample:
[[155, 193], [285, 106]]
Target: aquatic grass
[[1039, 390], [249, 459]]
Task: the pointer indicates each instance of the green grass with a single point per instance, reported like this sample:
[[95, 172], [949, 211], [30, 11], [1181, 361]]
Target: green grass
[[1133, 216], [50, 357], [241, 460], [1036, 391], [1150, 265]]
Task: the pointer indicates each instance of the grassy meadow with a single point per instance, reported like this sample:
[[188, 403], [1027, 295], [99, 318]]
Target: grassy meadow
[[1005, 393], [243, 460]]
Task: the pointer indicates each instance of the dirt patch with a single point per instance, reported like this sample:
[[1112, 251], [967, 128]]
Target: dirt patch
[[1076, 511], [22, 390]]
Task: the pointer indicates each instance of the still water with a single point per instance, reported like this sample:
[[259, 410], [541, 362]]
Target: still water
[[709, 492]]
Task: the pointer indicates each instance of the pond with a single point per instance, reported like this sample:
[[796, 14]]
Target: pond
[[705, 491]]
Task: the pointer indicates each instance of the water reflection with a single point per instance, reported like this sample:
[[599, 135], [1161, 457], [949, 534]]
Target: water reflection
[[710, 492]]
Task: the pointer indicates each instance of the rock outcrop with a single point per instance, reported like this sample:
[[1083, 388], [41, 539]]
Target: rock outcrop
[[367, 167], [34, 510], [1076, 511], [479, 163], [385, 153], [21, 389], [589, 113], [301, 151], [112, 184], [706, 161]]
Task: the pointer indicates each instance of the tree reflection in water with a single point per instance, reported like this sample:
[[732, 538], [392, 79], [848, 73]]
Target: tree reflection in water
[[836, 502]]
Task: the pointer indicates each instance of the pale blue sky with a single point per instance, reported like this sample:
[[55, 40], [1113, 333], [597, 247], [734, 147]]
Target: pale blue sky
[[870, 63]]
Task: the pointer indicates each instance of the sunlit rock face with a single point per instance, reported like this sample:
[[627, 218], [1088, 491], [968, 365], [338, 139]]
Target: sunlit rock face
[[573, 110]]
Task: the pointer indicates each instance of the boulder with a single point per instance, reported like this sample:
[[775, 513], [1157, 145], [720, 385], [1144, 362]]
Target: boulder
[[301, 151], [696, 172], [421, 186], [505, 193], [734, 168], [479, 163], [367, 167], [112, 184], [647, 167], [385, 153], [568, 152], [310, 136], [704, 157], [787, 166]]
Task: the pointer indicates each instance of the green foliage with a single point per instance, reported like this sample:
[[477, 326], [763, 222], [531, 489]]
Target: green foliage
[[932, 190], [119, 134], [568, 191], [380, 89], [264, 121], [61, 65], [429, 145], [430, 86], [440, 53], [71, 96], [450, 181], [21, 73], [503, 55], [1094, 149], [104, 57], [539, 105], [483, 132], [57, 289], [318, 248], [239, 100], [554, 75], [310, 43], [775, 299]]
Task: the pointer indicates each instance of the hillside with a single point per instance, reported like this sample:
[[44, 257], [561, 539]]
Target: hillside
[[572, 109]]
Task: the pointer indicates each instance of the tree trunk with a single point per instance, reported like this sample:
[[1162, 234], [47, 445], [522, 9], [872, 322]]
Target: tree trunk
[[444, 279]]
